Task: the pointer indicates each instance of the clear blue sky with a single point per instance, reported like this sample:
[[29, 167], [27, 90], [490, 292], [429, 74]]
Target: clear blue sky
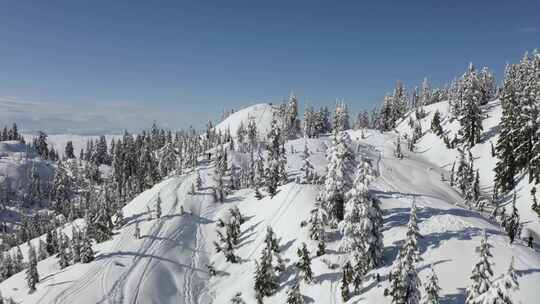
[[186, 60]]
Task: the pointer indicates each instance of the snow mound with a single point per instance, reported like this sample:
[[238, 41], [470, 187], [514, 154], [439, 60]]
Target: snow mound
[[443, 223], [261, 113]]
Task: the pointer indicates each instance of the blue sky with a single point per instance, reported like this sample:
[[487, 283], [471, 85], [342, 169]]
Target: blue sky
[[181, 62]]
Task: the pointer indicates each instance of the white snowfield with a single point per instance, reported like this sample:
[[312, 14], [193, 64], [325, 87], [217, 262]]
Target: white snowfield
[[167, 265], [261, 114], [16, 161]]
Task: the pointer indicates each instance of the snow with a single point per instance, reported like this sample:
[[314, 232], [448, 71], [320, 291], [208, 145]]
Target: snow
[[261, 113], [58, 141], [432, 148], [16, 162], [167, 265]]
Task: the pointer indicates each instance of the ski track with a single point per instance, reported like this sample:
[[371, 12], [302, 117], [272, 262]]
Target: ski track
[[103, 267]]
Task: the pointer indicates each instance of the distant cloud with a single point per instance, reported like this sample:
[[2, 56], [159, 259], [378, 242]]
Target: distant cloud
[[60, 118], [528, 29]]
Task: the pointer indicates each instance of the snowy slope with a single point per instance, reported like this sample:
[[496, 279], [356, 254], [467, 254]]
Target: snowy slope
[[16, 162], [432, 148], [167, 265], [261, 113]]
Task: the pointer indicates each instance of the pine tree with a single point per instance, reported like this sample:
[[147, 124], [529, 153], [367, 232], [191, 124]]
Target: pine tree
[[436, 124], [510, 278], [481, 275], [32, 276], [398, 152], [345, 292], [199, 180], [304, 263], [405, 287], [307, 167], [506, 167], [513, 225], [293, 294], [339, 179], [158, 207], [432, 289], [87, 254], [275, 171], [316, 224], [137, 233], [471, 113], [266, 280], [237, 299]]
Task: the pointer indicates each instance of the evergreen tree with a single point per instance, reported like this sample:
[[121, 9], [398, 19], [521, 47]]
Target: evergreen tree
[[432, 289], [345, 292], [304, 263], [339, 179], [87, 254], [275, 171], [68, 151], [471, 113], [341, 117], [32, 276], [237, 299], [293, 294], [158, 207], [307, 167], [405, 286], [266, 280], [481, 274], [436, 127], [137, 233], [506, 167], [513, 225], [398, 152]]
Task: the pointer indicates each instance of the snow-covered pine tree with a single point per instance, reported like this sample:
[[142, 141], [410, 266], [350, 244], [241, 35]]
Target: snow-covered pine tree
[[307, 167], [42, 251], [316, 224], [506, 167], [137, 232], [199, 180], [431, 288], [272, 246], [293, 294], [32, 276], [339, 176], [397, 151], [513, 224], [276, 159], [341, 117], [436, 127], [405, 287], [360, 269], [345, 292], [158, 207], [168, 159], [87, 254], [266, 279], [304, 264], [471, 113], [237, 299], [481, 275]]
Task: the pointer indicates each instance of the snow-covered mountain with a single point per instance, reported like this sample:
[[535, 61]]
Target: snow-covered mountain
[[261, 114], [168, 263]]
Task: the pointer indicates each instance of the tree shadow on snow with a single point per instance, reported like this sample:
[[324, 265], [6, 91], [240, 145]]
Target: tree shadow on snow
[[454, 298]]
